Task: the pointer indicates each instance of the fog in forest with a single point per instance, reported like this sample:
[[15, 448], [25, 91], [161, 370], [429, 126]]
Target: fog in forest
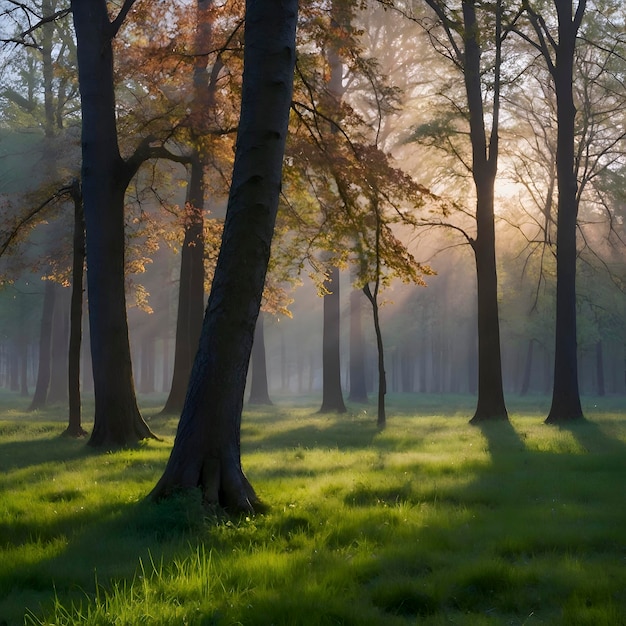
[[429, 333]]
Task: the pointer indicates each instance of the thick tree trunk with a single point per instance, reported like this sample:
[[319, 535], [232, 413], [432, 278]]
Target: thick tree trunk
[[565, 393], [358, 390], [490, 401], [259, 393], [190, 291], [45, 342], [105, 176], [74, 426], [332, 396], [206, 451]]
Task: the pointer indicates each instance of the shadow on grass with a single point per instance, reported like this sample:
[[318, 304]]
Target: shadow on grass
[[36, 451], [328, 432], [481, 548], [95, 547]]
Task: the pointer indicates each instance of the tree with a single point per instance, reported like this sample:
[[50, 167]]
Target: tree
[[332, 395], [74, 426], [206, 452], [558, 53], [105, 178], [259, 393], [358, 387], [190, 290], [45, 342], [466, 41]]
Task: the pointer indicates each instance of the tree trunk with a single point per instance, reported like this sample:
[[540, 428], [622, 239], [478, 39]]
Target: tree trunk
[[381, 417], [105, 176], [358, 390], [259, 393], [565, 393], [45, 342], [528, 368], [74, 426], [147, 360], [600, 390], [190, 291], [332, 396], [14, 366], [490, 401], [57, 392], [206, 451]]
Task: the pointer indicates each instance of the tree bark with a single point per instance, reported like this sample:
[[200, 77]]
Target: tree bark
[[206, 451], [105, 177], [259, 393], [332, 395]]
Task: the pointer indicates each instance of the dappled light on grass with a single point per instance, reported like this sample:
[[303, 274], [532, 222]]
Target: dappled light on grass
[[432, 520]]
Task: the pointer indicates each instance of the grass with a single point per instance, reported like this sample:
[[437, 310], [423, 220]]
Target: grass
[[432, 521]]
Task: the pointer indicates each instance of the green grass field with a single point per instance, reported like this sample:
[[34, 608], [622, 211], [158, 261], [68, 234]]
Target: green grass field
[[432, 521]]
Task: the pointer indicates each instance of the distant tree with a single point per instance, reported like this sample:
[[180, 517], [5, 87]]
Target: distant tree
[[358, 386], [206, 451], [45, 343], [259, 392], [74, 426], [332, 394]]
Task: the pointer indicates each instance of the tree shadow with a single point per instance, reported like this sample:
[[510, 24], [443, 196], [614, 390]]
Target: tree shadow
[[35, 451], [324, 432], [113, 541]]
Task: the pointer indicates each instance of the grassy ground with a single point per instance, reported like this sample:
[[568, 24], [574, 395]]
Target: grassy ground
[[432, 521]]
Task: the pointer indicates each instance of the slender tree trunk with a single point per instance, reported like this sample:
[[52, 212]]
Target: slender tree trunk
[[332, 395], [74, 426], [147, 361], [600, 368], [23, 367], [528, 368], [358, 390], [207, 449], [381, 418], [105, 177], [14, 366], [190, 291], [57, 392], [259, 393], [565, 393], [45, 341]]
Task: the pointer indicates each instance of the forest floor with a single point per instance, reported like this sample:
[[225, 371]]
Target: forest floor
[[431, 521]]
